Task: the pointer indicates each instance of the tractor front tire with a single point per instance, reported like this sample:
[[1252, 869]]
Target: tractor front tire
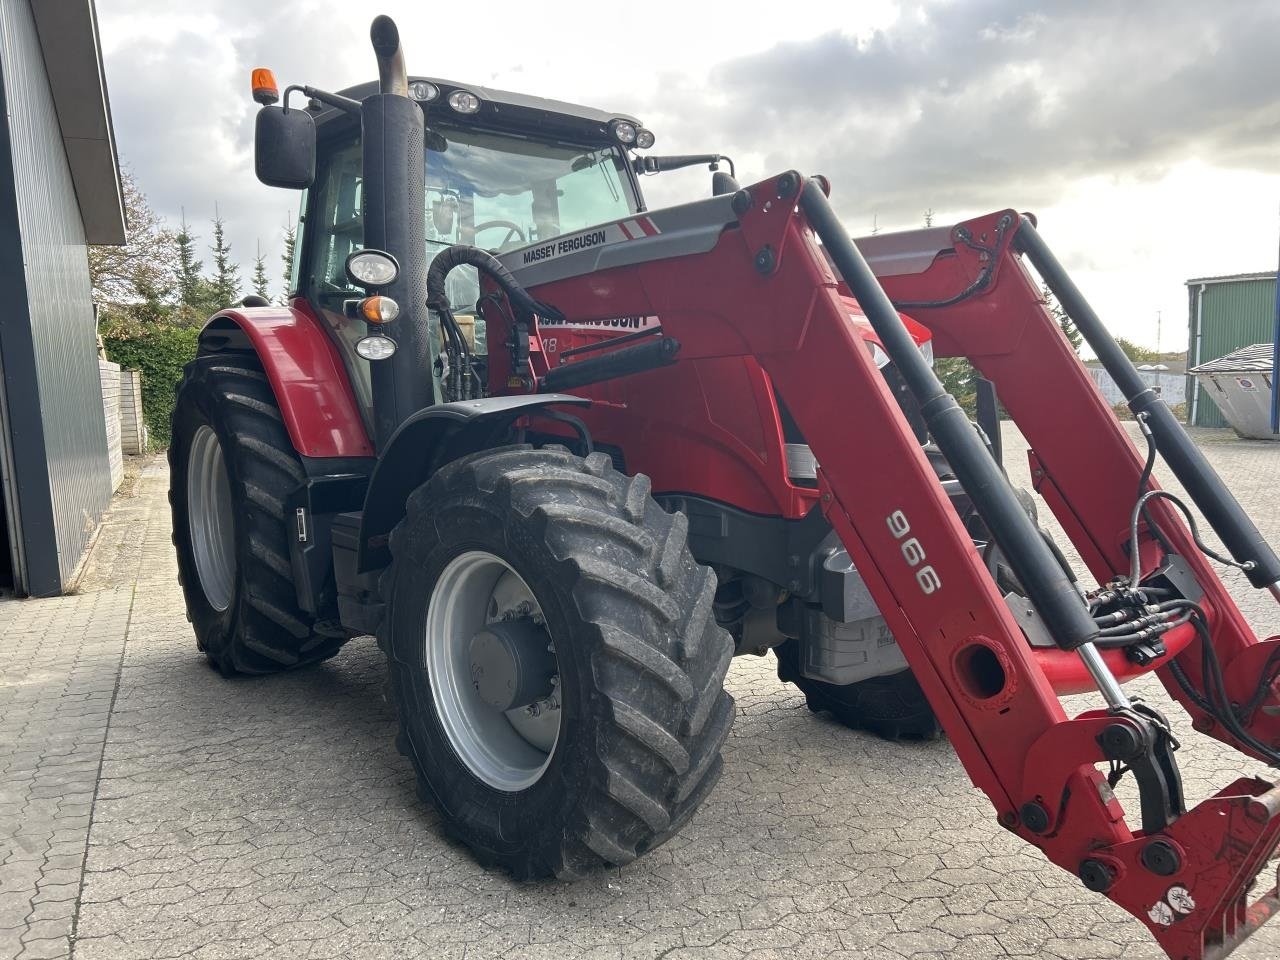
[[586, 563], [231, 466], [893, 706]]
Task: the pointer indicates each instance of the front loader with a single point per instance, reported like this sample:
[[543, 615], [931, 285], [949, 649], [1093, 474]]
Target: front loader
[[566, 456]]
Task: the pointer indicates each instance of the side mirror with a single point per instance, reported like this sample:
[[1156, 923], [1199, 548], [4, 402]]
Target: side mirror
[[284, 148]]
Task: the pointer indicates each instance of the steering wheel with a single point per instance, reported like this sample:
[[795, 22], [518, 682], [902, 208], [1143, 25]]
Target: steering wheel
[[513, 230]]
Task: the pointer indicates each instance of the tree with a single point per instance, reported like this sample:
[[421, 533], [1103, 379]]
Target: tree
[[189, 278], [959, 378], [290, 240], [148, 259], [225, 282], [196, 298], [1136, 353], [260, 274], [1069, 330]]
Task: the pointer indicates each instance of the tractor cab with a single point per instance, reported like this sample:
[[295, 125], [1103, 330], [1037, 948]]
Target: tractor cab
[[503, 171]]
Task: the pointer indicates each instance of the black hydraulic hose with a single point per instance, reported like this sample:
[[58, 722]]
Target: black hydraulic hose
[[461, 253], [438, 300], [1188, 463], [1047, 586]]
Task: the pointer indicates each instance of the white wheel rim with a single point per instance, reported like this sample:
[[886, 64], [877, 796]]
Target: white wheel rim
[[508, 750], [211, 518]]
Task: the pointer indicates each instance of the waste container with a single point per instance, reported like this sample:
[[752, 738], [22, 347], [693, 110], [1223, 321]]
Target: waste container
[[1240, 384]]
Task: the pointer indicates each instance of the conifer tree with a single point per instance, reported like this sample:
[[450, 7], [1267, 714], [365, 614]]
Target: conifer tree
[[260, 274], [290, 240], [225, 281]]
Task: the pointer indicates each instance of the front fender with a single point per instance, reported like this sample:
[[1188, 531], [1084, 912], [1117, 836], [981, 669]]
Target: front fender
[[305, 371], [425, 442]]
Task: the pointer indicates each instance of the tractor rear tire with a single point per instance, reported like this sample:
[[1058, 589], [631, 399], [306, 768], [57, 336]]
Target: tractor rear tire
[[639, 660], [893, 706], [230, 527]]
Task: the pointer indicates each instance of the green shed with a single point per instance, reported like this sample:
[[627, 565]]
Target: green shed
[[1226, 313]]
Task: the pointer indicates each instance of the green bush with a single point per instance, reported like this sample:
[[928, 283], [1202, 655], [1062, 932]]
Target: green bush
[[160, 352]]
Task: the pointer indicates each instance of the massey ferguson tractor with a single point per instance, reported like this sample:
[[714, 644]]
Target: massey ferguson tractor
[[566, 456]]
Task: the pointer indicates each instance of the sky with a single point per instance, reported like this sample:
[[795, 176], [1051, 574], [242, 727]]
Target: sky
[[1145, 135]]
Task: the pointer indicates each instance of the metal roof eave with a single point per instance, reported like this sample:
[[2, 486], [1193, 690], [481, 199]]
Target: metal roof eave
[[68, 31], [1230, 278]]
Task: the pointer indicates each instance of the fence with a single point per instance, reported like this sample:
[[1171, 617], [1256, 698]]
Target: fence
[[110, 376], [133, 428], [1170, 384]]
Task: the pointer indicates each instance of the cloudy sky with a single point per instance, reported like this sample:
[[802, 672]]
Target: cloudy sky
[[1144, 134]]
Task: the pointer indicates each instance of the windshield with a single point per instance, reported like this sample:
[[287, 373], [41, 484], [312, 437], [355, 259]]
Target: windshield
[[493, 190], [498, 193]]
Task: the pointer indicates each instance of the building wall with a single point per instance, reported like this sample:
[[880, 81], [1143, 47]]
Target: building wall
[[1232, 315], [53, 402]]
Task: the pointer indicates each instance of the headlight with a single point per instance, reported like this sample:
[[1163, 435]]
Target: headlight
[[372, 268], [625, 131], [464, 101], [423, 90], [644, 138], [379, 309], [375, 348]]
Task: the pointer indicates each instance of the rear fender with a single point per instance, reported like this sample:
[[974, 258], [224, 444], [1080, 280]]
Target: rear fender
[[305, 371], [424, 443]]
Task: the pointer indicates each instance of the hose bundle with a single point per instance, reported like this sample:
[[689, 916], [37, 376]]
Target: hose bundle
[[460, 375]]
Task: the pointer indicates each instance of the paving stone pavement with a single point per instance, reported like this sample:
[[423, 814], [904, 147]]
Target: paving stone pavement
[[149, 808]]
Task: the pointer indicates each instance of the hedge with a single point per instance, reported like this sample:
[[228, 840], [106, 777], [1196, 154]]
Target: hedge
[[160, 353]]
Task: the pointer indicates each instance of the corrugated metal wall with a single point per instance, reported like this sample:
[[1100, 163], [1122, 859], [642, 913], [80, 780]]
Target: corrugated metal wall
[[1232, 315], [63, 336]]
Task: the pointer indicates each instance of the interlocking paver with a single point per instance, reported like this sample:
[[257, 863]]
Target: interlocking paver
[[273, 817]]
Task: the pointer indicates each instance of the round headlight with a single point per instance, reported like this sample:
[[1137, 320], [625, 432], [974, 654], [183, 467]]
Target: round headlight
[[372, 268], [379, 309], [423, 90], [625, 131], [464, 101], [644, 138], [375, 347]]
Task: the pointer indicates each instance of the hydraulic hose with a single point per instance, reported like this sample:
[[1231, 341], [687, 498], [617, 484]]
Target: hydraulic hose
[[461, 253]]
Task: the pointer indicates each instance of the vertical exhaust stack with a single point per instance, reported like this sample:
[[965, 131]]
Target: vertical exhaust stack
[[394, 201]]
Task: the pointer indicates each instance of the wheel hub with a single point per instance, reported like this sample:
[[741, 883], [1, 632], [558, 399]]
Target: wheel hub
[[512, 664], [492, 669]]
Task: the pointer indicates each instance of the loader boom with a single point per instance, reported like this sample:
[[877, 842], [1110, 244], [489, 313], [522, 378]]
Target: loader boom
[[760, 285]]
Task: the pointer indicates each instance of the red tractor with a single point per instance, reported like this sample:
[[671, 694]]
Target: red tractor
[[566, 456]]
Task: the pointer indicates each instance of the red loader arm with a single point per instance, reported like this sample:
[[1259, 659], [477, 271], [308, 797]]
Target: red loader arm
[[767, 289]]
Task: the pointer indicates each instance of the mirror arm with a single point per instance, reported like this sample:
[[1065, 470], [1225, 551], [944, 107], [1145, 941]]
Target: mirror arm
[[346, 104], [652, 164]]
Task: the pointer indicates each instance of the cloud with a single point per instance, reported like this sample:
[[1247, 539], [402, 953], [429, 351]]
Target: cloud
[[973, 105]]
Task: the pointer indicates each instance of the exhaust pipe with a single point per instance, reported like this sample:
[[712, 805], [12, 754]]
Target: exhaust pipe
[[392, 76], [393, 135]]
